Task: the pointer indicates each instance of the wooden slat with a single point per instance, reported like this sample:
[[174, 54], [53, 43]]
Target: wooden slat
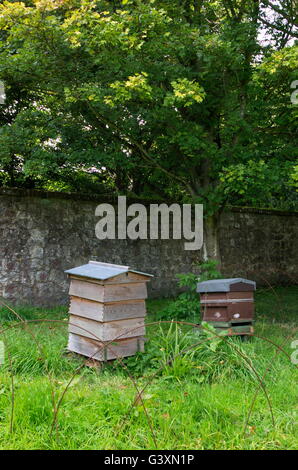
[[133, 291], [108, 292], [99, 351], [87, 308], [211, 296], [106, 331], [124, 309], [107, 311], [86, 290]]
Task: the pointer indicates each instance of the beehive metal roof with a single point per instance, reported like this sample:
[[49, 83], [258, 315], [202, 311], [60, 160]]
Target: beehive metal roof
[[222, 285], [102, 271]]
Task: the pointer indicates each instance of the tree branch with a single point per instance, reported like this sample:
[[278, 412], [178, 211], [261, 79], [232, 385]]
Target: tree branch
[[132, 143]]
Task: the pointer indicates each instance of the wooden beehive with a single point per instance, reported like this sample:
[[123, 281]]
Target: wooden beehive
[[107, 310], [228, 303]]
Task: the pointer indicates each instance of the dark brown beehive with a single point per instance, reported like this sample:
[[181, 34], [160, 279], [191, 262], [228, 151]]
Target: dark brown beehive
[[227, 300]]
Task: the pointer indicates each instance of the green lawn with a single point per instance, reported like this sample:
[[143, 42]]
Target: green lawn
[[199, 400]]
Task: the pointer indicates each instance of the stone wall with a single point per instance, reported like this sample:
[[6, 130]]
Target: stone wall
[[42, 234], [260, 244]]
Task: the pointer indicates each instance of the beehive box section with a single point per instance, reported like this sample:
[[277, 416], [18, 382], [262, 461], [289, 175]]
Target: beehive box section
[[102, 351], [132, 291], [106, 331], [113, 292], [225, 306], [87, 290], [109, 311]]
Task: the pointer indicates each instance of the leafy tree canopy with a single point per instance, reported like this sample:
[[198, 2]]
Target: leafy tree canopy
[[174, 98]]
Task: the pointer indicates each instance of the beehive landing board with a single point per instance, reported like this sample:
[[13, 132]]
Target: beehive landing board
[[104, 352], [234, 329]]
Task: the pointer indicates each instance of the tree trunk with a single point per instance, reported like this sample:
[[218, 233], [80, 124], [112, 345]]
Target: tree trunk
[[211, 239]]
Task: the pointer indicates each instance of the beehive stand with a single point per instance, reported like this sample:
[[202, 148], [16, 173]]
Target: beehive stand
[[228, 304], [107, 310]]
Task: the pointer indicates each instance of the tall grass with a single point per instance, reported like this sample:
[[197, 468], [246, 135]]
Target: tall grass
[[196, 397]]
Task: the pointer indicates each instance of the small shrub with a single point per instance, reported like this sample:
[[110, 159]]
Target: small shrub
[[187, 306]]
